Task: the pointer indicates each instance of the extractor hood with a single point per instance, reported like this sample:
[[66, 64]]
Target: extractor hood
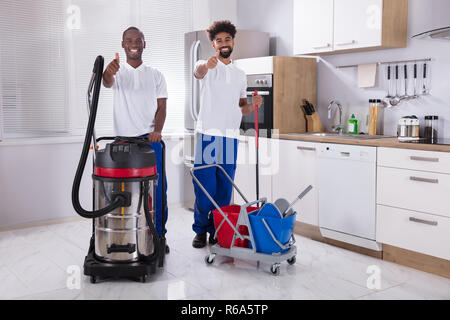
[[442, 34]]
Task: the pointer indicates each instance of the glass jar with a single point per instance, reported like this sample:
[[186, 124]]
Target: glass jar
[[431, 128]]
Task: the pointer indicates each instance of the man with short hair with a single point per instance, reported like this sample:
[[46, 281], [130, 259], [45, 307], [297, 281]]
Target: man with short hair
[[140, 94], [223, 101]]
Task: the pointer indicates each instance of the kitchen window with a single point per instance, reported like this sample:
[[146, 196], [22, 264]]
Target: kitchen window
[[48, 49]]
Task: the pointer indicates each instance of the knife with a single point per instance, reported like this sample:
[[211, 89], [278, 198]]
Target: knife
[[313, 110]]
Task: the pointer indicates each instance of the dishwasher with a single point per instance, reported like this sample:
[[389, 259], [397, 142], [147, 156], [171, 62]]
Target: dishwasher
[[347, 193]]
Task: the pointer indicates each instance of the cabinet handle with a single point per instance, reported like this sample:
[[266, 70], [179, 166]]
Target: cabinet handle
[[346, 43], [424, 159], [322, 47], [306, 148], [424, 180], [431, 223]]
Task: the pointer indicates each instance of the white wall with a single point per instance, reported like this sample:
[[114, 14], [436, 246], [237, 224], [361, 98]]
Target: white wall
[[207, 11], [276, 18], [270, 16], [36, 181]]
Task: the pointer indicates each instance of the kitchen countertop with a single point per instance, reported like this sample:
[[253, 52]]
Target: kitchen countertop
[[388, 142]]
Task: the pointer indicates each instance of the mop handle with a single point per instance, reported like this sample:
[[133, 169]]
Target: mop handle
[[256, 121], [257, 147], [299, 197]]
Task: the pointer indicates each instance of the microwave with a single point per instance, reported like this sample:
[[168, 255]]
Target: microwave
[[263, 84]]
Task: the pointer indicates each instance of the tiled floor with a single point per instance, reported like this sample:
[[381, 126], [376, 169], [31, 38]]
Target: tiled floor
[[34, 264]]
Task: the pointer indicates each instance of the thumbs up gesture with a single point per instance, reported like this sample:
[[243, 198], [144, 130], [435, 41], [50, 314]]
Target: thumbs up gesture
[[212, 62], [113, 66]]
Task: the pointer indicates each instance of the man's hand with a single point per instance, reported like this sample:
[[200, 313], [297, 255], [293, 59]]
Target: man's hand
[[257, 100], [113, 66], [110, 71], [212, 62], [154, 136]]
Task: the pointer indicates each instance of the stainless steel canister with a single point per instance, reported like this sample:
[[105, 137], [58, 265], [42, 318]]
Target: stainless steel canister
[[123, 234]]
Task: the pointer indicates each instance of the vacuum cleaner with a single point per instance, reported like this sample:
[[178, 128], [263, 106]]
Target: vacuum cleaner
[[124, 241]]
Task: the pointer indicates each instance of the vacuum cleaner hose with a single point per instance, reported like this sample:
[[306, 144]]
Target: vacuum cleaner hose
[[118, 200], [150, 224]]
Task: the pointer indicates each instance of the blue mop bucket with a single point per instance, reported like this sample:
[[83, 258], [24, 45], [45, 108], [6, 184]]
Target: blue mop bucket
[[281, 228]]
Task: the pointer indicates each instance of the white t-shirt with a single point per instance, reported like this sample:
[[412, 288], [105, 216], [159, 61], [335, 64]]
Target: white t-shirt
[[220, 91], [135, 92]]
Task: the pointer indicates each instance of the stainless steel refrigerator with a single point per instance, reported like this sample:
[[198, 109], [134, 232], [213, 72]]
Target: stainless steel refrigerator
[[247, 44]]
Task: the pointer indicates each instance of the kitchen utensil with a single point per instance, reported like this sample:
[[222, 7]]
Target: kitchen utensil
[[405, 73], [415, 81], [424, 80], [396, 81], [311, 106], [306, 107], [389, 82], [396, 99], [312, 117]]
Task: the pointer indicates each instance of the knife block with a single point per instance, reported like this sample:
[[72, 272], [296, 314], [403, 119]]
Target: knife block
[[313, 123]]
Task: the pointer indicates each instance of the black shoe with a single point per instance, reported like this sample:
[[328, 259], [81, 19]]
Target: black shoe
[[167, 249], [199, 240], [212, 240]]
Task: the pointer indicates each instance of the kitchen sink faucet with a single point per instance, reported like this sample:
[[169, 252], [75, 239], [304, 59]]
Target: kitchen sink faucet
[[340, 127]]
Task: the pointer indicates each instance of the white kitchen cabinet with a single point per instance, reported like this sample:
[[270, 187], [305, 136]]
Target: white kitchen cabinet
[[412, 200], [415, 231], [313, 26], [328, 26], [245, 176], [357, 24], [414, 190], [430, 161], [297, 170]]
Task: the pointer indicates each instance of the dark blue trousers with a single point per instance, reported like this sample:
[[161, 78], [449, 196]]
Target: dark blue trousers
[[213, 150], [157, 147]]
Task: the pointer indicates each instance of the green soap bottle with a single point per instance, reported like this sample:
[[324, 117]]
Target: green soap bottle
[[353, 125]]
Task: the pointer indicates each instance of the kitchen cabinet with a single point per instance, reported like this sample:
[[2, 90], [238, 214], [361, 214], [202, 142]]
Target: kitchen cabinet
[[334, 26], [294, 79], [245, 176], [313, 26], [295, 171], [357, 24], [412, 200], [415, 231]]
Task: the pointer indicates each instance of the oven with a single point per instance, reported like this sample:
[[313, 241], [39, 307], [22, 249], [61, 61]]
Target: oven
[[263, 84]]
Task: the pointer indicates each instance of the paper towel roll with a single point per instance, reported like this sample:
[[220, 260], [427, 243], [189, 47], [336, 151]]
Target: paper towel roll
[[367, 74]]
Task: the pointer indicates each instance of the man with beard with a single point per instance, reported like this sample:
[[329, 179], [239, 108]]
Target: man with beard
[[139, 103], [223, 101]]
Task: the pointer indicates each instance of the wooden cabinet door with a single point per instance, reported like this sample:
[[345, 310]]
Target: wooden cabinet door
[[357, 24], [297, 170], [313, 26]]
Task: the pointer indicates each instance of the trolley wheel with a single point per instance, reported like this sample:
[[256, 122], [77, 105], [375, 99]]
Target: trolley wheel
[[209, 259], [275, 269], [93, 279], [292, 260]]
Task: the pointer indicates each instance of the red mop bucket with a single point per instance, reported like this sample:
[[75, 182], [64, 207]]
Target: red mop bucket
[[226, 232]]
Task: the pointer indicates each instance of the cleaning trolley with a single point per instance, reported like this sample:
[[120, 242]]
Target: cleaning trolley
[[249, 232]]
